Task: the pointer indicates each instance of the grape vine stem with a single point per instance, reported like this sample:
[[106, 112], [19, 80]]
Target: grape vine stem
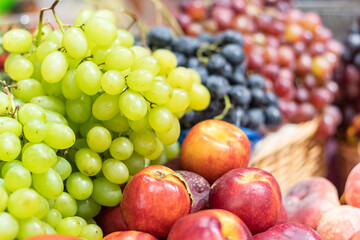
[[41, 23], [227, 107], [5, 88]]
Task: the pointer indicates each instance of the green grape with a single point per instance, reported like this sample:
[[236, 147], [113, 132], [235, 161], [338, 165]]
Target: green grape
[[83, 16], [89, 124], [59, 136], [24, 203], [133, 105], [99, 54], [147, 62], [50, 103], [5, 103], [106, 193], [52, 116], [173, 150], [180, 77], [9, 227], [30, 227], [49, 184], [8, 60], [66, 205], [179, 100], [106, 107], [166, 59], [91, 232], [79, 186], [45, 31], [135, 163], [199, 97], [171, 136], [63, 168], [88, 77], [79, 110], [43, 210], [140, 80], [3, 201], [115, 171], [44, 49], [49, 229], [91, 221], [54, 67], [98, 139], [10, 146], [31, 111], [7, 166], [119, 58], [144, 143], [27, 89], [141, 125], [124, 38], [75, 43], [88, 162], [126, 72], [38, 158], [69, 226], [140, 52], [195, 75], [88, 208], [55, 36], [113, 82], [53, 217], [100, 30], [160, 93], [52, 89], [37, 71], [105, 13], [160, 119], [17, 41], [16, 178], [8, 124], [158, 151], [161, 160], [20, 68], [81, 220], [117, 124], [74, 126]]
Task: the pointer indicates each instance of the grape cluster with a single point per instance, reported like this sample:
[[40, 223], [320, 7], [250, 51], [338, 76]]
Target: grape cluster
[[220, 61], [86, 111], [291, 48], [348, 78]]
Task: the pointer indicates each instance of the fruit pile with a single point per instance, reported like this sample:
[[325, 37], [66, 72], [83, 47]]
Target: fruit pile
[[203, 199], [348, 78], [85, 111], [237, 96], [292, 49]]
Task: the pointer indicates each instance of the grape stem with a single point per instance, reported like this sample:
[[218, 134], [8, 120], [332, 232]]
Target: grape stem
[[142, 26], [41, 23], [5, 88], [227, 107]]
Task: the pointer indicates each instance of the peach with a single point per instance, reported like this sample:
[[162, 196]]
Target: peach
[[352, 187], [308, 200], [339, 223], [129, 235], [356, 236]]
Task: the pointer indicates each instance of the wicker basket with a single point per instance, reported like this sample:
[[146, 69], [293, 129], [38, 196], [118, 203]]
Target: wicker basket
[[346, 158], [291, 154]]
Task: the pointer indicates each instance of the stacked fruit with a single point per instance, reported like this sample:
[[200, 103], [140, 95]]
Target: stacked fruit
[[348, 78], [292, 49], [85, 112], [236, 96]]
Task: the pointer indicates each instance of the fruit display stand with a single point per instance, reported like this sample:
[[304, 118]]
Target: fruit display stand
[[291, 154]]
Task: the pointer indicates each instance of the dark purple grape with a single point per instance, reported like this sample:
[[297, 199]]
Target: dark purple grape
[[347, 55], [256, 117], [237, 116], [257, 97], [185, 45], [240, 95], [233, 53], [238, 78], [228, 71], [357, 60], [216, 63], [353, 41], [230, 36], [193, 62], [206, 37], [272, 116], [218, 86], [181, 59], [203, 72], [159, 37], [256, 81], [271, 99]]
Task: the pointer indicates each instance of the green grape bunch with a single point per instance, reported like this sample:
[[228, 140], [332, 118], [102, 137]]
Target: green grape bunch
[[86, 110]]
